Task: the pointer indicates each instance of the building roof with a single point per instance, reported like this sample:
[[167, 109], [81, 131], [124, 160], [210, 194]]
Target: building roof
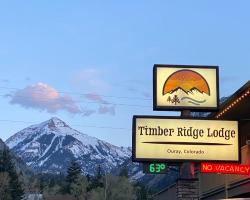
[[236, 107]]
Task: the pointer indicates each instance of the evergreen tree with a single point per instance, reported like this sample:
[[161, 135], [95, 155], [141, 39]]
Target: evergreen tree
[[99, 172], [5, 161], [118, 188], [79, 188], [73, 172], [16, 189], [96, 181], [76, 183], [124, 172], [142, 192], [7, 165], [4, 186]]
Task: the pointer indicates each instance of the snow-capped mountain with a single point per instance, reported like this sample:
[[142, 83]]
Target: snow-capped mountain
[[51, 145]]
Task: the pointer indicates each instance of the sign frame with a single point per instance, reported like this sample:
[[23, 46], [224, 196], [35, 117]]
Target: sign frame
[[180, 108], [177, 161]]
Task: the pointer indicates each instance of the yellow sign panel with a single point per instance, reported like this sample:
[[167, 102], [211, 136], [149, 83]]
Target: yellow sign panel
[[168, 138], [185, 87]]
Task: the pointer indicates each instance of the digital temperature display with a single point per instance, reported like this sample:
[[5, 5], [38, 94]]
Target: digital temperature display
[[155, 168]]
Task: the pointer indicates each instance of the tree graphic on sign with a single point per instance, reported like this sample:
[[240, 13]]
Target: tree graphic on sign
[[175, 99], [169, 99]]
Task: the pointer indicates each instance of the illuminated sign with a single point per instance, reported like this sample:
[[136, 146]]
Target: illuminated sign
[[178, 87], [169, 138], [155, 168], [225, 168]]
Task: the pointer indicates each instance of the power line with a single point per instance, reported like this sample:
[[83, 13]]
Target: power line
[[44, 99], [75, 93], [85, 126]]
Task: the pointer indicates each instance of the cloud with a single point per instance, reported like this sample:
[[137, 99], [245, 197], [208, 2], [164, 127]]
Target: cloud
[[87, 112], [95, 97], [92, 79], [5, 80], [44, 97], [103, 107], [106, 110]]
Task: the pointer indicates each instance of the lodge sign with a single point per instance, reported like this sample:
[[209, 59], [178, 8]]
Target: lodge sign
[[169, 138]]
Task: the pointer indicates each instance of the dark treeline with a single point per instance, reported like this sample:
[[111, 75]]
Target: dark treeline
[[77, 186], [10, 184], [73, 186]]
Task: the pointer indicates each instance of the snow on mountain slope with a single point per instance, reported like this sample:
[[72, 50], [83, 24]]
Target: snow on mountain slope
[[51, 145]]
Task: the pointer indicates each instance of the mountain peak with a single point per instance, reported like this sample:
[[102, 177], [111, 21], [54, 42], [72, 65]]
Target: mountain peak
[[55, 122], [51, 145]]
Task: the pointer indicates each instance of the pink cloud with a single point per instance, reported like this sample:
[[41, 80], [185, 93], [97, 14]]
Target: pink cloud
[[103, 107], [44, 97], [95, 97], [106, 110]]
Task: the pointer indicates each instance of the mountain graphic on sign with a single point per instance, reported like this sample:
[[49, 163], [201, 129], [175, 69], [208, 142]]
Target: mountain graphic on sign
[[186, 85], [187, 81], [189, 91]]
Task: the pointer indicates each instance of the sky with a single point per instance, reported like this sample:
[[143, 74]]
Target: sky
[[90, 63]]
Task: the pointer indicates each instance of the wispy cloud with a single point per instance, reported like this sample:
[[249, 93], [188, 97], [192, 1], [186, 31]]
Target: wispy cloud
[[95, 97], [91, 78], [5, 80], [104, 106], [106, 109], [86, 112], [44, 97]]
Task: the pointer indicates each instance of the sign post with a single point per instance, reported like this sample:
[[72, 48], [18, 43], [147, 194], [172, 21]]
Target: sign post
[[187, 169]]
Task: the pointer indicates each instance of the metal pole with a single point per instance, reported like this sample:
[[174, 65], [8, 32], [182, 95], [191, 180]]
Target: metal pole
[[226, 186], [200, 189], [187, 168]]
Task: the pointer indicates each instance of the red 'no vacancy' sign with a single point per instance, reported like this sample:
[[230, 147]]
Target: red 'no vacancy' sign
[[225, 168]]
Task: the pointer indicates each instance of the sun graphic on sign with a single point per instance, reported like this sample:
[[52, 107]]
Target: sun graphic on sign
[[187, 81]]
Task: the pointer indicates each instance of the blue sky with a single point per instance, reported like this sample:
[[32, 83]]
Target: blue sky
[[94, 59]]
